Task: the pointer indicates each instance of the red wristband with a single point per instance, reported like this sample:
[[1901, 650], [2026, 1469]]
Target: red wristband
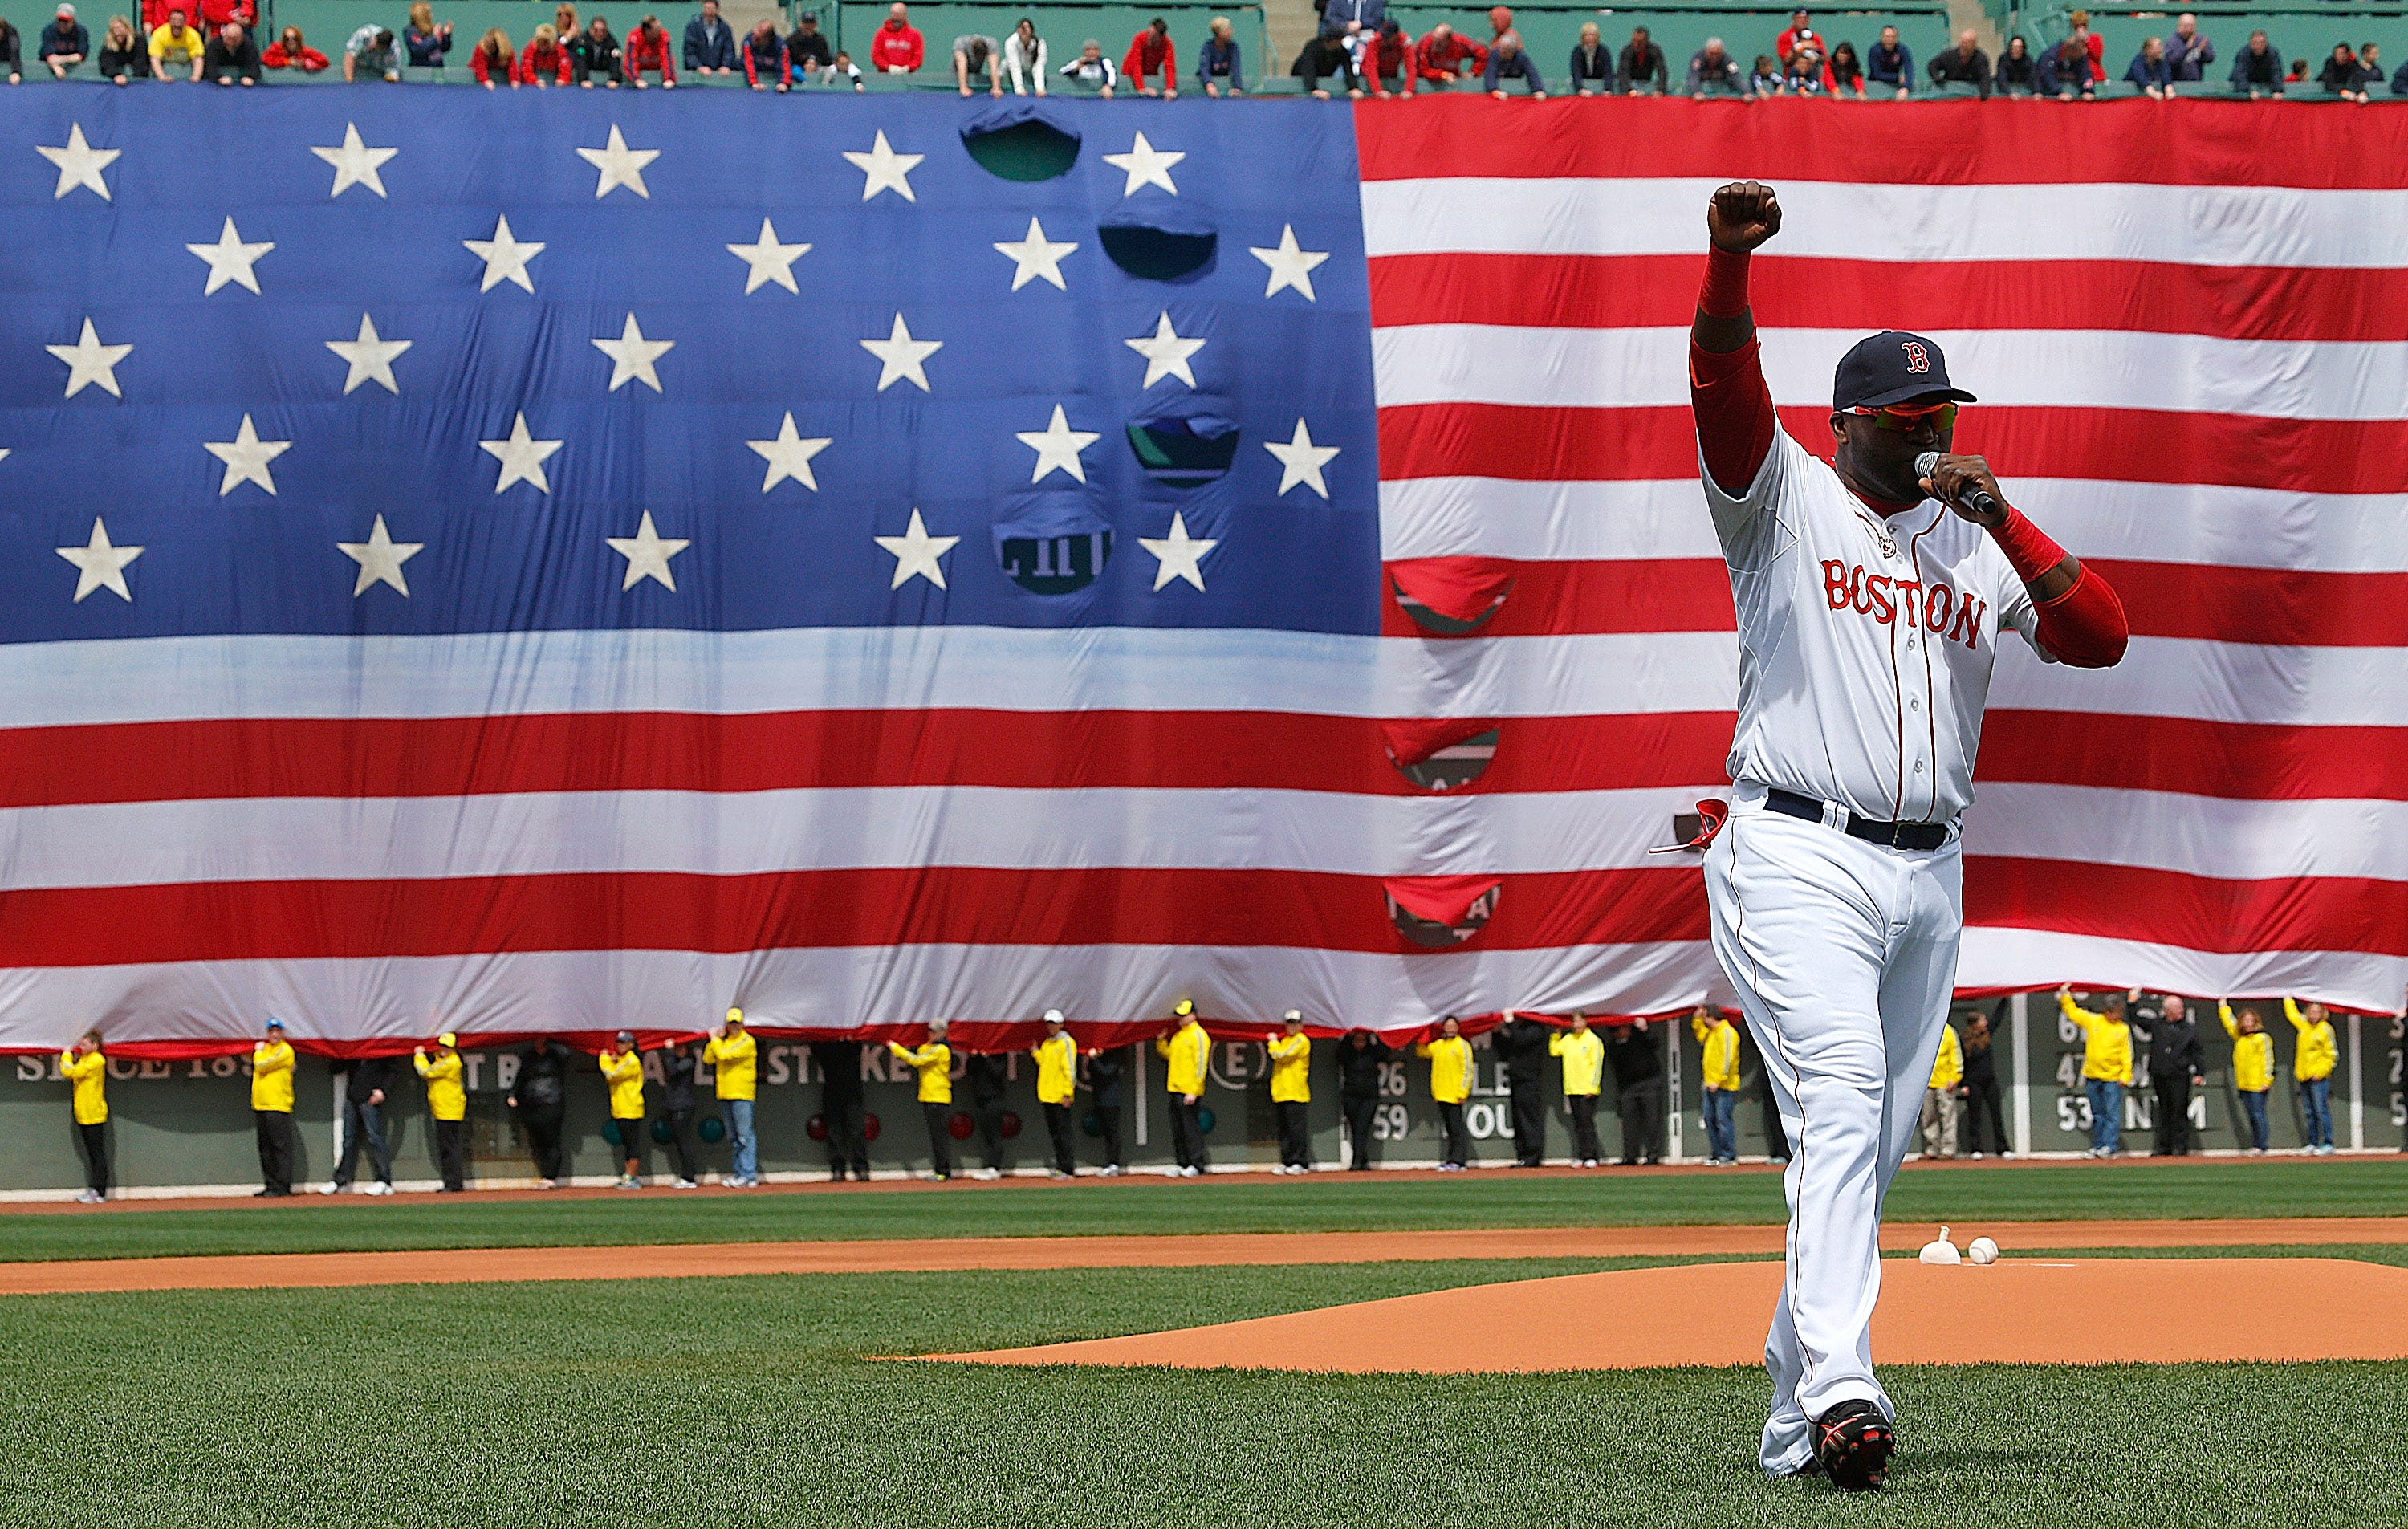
[[1726, 291], [2027, 547]]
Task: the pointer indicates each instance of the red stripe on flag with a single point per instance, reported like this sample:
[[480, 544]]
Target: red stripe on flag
[[2189, 912], [2240, 761]]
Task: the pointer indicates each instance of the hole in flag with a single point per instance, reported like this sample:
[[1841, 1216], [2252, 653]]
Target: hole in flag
[[1439, 911], [1018, 142], [1183, 450], [1171, 247], [1052, 546], [1450, 596], [1439, 754]]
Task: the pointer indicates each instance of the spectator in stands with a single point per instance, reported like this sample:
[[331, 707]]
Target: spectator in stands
[[1451, 1076], [1980, 1089], [217, 13], [1889, 63], [1023, 57], [2092, 41], [1845, 71], [64, 42], [1058, 1084], [2299, 74], [898, 49], [1092, 70], [933, 1062], [2149, 72], [1388, 56], [1151, 52], [1186, 1046], [1219, 67], [1805, 74], [1583, 1059], [288, 52], [2344, 77], [2064, 71], [2018, 73], [595, 54], [12, 51], [1800, 32], [2177, 1064], [648, 48], [372, 55], [2370, 62], [807, 49], [710, 44], [766, 64], [1641, 68], [492, 63], [1638, 1058], [2106, 1066], [176, 49], [1442, 57], [840, 1067], [539, 1094], [1500, 21], [563, 21], [1718, 1066], [2258, 69], [1521, 1048], [1291, 1054], [1347, 18], [545, 63], [447, 1102], [622, 1068], [1766, 78], [426, 42], [86, 1069], [122, 55], [842, 69], [1715, 72], [1592, 64], [1509, 60], [1107, 1077], [681, 1064], [734, 1055], [1940, 1096], [1360, 1057], [2253, 1068], [977, 54], [2400, 87], [2311, 1065], [271, 1108], [1963, 64], [231, 58], [1325, 56], [2188, 53], [365, 1083]]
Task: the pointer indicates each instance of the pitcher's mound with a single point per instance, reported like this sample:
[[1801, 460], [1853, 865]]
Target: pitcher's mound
[[2120, 1310]]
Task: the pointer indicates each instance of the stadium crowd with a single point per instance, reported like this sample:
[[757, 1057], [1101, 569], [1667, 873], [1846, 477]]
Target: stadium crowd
[[1541, 1061]]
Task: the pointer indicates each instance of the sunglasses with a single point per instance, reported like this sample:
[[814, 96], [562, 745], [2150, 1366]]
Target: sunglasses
[[1906, 420]]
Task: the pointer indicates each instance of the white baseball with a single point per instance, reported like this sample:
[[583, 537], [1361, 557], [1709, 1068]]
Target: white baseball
[[1983, 1250]]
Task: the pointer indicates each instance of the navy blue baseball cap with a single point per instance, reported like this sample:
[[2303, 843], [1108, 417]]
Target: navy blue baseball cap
[[1891, 367]]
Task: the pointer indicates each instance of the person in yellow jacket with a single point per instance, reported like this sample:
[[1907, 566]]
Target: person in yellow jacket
[[271, 1110], [1189, 1050], [2253, 1068], [83, 1065], [732, 1053], [1719, 1098], [1057, 1083], [2312, 1066], [2106, 1065], [447, 1102], [1940, 1097], [622, 1068], [1583, 1056], [1450, 1060], [934, 1063], [1290, 1052]]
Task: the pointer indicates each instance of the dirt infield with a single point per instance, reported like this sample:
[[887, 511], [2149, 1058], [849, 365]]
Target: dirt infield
[[2014, 1312], [484, 1265]]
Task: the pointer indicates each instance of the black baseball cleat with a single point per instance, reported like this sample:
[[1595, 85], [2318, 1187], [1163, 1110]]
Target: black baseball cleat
[[1852, 1446]]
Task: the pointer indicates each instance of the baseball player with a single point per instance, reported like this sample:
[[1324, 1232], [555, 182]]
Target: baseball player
[[1871, 593]]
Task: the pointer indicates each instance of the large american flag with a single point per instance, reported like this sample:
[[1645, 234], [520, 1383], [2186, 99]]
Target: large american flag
[[599, 634]]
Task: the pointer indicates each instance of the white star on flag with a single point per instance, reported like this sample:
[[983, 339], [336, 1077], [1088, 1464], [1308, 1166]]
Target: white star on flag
[[620, 165], [1165, 354], [1145, 165], [91, 364], [1291, 264], [1301, 461], [632, 356], [769, 261], [79, 164], [355, 164], [1058, 446], [100, 565], [371, 357], [246, 458], [648, 553], [916, 554], [522, 456], [230, 259], [1034, 258], [886, 169], [1179, 554], [381, 558], [505, 259], [789, 456], [900, 356]]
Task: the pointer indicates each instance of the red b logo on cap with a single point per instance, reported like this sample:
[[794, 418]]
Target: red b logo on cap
[[1917, 359]]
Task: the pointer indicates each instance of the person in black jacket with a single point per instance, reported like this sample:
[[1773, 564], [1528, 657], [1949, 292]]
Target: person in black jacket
[[64, 42], [1963, 64], [1636, 1054], [1981, 1085], [1522, 1045], [539, 1095], [839, 1065], [122, 54], [2177, 1063], [367, 1082], [679, 1065], [1359, 1060], [806, 47], [1592, 64], [1106, 1071], [12, 51], [710, 44], [594, 55], [230, 57], [1641, 67], [986, 1074]]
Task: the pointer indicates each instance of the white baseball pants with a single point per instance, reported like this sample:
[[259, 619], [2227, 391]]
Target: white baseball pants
[[1844, 954]]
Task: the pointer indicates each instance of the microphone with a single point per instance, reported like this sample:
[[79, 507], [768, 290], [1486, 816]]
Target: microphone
[[1975, 499]]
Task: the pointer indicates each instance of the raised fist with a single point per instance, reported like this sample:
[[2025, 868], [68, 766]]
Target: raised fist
[[1742, 215]]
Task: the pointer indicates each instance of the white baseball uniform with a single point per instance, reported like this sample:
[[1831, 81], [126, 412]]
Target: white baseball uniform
[[1865, 655]]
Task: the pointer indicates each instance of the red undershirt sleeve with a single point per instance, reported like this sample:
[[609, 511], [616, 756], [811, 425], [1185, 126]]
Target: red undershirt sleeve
[[1726, 392], [2085, 626]]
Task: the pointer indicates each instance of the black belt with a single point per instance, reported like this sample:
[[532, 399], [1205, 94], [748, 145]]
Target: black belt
[[1921, 837]]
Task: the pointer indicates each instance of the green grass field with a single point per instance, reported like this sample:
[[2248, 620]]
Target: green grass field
[[1327, 1202], [750, 1402]]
